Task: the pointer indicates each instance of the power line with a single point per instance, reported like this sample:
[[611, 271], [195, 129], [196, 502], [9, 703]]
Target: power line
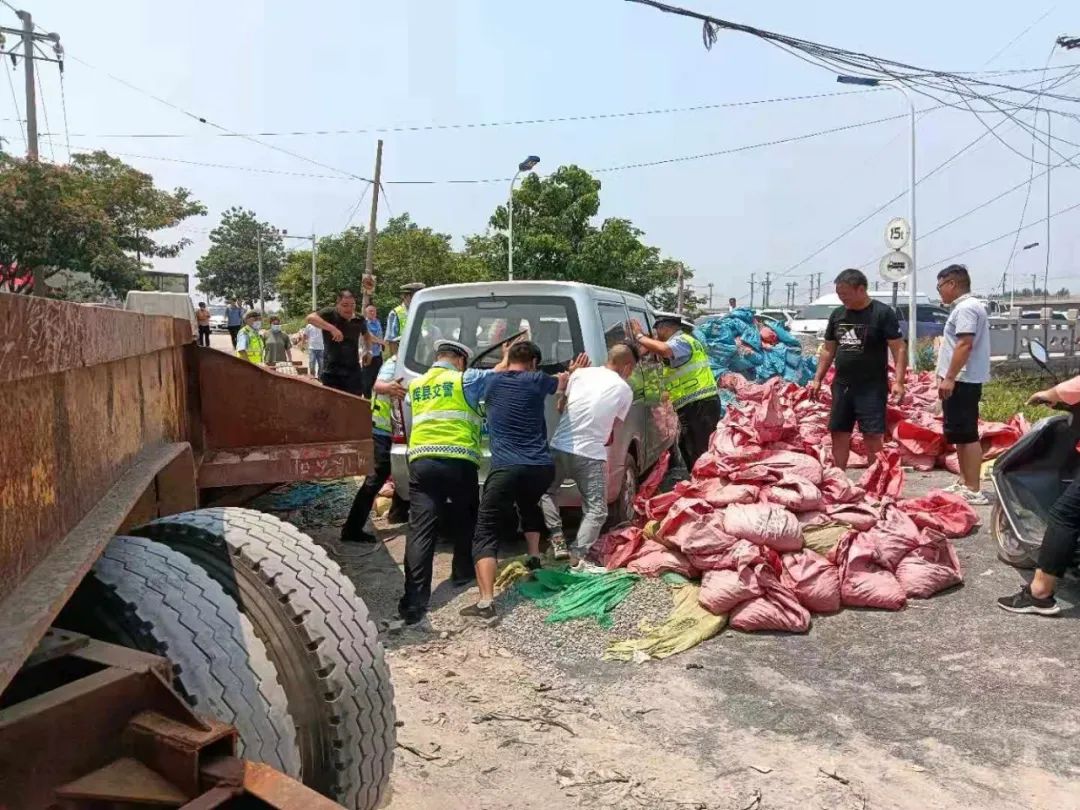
[[15, 101], [1021, 35], [45, 112], [217, 126], [63, 105]]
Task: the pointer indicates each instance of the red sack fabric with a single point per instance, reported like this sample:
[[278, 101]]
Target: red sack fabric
[[885, 477], [776, 609], [764, 524], [918, 439], [652, 560], [931, 567], [723, 591], [658, 505], [859, 516], [836, 487], [793, 492], [864, 581], [813, 579], [719, 493], [675, 525], [785, 461], [944, 512], [894, 536], [651, 483], [768, 336], [616, 549], [767, 420]]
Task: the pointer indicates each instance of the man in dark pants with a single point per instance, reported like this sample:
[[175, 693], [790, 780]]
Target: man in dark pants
[[1058, 552], [688, 381], [522, 469], [344, 336], [860, 334], [444, 456], [234, 320], [388, 390]]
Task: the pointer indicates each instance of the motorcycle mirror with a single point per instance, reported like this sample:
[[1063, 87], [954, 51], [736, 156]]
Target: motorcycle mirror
[[1038, 353]]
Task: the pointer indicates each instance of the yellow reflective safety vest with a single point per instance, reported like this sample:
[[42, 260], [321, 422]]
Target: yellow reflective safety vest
[[443, 424], [402, 315], [693, 380], [381, 406], [254, 344]]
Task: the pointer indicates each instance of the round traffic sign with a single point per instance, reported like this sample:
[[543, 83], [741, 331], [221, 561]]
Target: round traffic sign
[[897, 233], [895, 266]]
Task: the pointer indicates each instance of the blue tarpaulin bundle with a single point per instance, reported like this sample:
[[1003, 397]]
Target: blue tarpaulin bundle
[[723, 335]]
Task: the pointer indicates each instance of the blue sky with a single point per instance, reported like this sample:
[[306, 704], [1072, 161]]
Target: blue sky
[[282, 66]]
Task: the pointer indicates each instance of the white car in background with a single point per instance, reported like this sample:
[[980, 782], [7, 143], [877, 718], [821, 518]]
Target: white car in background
[[218, 321], [813, 318], [783, 316]]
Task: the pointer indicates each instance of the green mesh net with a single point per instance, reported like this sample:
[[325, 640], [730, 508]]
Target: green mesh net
[[570, 595]]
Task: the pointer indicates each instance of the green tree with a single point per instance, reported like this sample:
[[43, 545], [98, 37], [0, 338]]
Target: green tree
[[230, 268], [96, 216], [404, 252], [555, 238], [665, 297]]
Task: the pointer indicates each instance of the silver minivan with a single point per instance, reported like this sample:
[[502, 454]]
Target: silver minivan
[[563, 319]]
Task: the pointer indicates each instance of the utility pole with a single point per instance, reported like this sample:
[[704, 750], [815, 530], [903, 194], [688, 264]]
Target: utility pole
[[679, 293], [369, 261], [1034, 283], [262, 298], [751, 291], [765, 294], [818, 288], [314, 297], [710, 294]]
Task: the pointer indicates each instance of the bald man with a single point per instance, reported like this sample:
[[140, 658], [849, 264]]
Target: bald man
[[595, 401]]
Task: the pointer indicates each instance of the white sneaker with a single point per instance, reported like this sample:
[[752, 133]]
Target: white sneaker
[[584, 567], [955, 486], [974, 498]]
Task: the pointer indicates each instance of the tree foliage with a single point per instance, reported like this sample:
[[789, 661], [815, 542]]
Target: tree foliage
[[556, 238], [404, 252], [230, 268], [96, 216]]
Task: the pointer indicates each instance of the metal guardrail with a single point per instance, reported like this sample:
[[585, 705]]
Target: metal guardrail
[[1009, 338]]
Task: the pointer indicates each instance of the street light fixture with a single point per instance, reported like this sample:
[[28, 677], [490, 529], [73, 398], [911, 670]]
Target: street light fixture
[[865, 81], [526, 165]]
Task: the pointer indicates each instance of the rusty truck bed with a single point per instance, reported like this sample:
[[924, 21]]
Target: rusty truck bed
[[114, 418]]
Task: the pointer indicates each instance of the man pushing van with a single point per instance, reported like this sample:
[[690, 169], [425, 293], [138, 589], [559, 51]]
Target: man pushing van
[[688, 381]]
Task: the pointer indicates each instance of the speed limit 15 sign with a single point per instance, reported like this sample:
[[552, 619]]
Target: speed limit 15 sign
[[897, 233]]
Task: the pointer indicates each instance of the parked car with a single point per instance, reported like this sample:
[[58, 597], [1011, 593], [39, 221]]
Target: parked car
[[564, 319], [813, 318], [783, 316], [218, 321]]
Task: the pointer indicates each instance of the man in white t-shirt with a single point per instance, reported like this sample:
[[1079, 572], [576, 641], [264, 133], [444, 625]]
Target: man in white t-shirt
[[595, 398], [314, 338]]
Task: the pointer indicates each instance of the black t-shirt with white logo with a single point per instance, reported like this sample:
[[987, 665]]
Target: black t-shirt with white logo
[[862, 342], [342, 357]]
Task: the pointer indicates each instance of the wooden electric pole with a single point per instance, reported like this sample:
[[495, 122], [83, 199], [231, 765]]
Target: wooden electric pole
[[368, 281]]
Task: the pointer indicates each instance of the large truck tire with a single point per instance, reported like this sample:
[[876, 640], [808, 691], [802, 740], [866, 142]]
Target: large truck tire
[[157, 600], [318, 635]]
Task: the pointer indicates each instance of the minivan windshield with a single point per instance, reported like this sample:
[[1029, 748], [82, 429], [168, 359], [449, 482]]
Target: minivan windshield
[[551, 321]]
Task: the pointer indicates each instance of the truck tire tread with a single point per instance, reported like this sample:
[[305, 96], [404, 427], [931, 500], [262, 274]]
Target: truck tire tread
[[171, 607], [341, 649]]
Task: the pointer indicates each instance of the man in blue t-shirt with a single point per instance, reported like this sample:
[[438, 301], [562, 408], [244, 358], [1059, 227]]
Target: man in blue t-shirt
[[521, 466]]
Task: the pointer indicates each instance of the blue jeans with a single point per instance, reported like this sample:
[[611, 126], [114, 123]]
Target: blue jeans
[[315, 361]]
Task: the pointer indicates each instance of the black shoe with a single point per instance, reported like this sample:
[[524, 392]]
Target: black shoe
[[410, 614], [534, 563], [1025, 602], [359, 537], [477, 612]]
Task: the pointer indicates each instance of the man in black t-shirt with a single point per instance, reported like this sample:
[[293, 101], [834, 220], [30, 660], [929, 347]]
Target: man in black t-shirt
[[343, 334], [860, 334]]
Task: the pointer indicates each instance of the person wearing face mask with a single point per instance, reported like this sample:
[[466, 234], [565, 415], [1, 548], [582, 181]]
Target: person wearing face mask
[[595, 400], [249, 341], [276, 347]]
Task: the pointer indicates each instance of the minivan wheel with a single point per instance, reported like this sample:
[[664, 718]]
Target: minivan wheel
[[622, 510], [1008, 545]]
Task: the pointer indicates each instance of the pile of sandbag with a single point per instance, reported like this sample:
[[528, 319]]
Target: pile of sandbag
[[736, 342], [776, 533]]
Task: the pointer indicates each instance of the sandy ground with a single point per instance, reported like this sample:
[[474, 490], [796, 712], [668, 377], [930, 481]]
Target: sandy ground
[[950, 703]]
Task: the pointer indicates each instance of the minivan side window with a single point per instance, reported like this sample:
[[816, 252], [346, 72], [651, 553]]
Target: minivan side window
[[613, 318]]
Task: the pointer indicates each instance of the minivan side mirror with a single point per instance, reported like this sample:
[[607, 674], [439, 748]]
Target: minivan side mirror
[[1038, 352]]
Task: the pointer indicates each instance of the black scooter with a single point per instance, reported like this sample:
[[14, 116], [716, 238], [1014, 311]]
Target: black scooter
[[1029, 477]]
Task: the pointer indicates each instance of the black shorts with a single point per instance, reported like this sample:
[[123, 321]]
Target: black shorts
[[858, 402], [961, 413]]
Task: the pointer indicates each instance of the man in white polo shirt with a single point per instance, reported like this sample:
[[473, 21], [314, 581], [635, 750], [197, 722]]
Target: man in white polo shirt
[[962, 369], [595, 398]]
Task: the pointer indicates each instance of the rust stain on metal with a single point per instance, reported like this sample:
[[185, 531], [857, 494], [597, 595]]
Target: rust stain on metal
[[278, 790], [124, 780], [277, 464]]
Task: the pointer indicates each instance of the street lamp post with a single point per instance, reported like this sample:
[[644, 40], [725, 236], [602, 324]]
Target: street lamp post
[[912, 306], [1012, 291], [526, 165]]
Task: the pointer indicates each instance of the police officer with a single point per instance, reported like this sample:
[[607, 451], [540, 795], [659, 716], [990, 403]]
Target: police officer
[[249, 340], [398, 317], [388, 389], [688, 381], [444, 457]]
